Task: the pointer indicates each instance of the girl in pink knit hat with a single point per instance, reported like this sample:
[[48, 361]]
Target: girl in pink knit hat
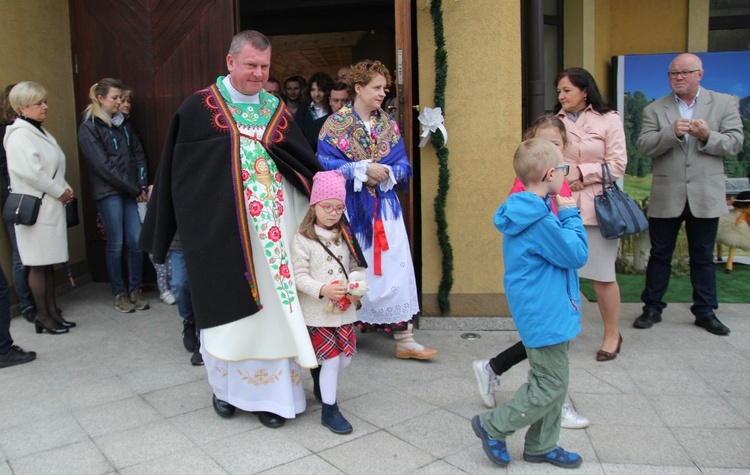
[[322, 257]]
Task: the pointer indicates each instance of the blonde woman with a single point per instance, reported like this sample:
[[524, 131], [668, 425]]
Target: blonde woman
[[36, 165], [118, 184]]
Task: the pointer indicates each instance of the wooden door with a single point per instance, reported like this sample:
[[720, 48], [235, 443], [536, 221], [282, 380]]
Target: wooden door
[[403, 81], [164, 50]]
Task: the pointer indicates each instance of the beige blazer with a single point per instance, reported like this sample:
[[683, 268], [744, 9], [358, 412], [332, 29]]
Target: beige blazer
[[690, 171], [33, 158]]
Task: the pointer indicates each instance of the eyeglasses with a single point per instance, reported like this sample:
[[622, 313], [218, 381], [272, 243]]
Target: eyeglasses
[[330, 209], [684, 74], [564, 168]]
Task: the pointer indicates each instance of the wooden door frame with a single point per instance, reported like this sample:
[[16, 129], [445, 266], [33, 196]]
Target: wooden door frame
[[403, 83]]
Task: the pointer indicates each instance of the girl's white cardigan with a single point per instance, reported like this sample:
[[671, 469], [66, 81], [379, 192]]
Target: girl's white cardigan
[[314, 268]]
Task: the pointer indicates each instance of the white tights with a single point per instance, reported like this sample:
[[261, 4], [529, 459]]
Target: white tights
[[329, 376]]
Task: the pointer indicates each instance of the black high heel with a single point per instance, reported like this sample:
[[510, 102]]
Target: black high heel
[[41, 328], [65, 324]]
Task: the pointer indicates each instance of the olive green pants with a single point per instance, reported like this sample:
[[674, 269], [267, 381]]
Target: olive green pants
[[537, 403]]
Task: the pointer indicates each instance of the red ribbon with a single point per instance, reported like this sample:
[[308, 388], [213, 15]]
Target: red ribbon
[[379, 240]]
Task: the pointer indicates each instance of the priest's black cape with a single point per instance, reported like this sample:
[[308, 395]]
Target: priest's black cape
[[195, 190]]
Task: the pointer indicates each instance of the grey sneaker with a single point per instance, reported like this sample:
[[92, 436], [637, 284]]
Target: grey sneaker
[[486, 382], [571, 419], [123, 304], [136, 298]]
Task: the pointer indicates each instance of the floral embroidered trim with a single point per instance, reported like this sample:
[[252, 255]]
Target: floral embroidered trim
[[217, 119], [277, 126], [238, 193]]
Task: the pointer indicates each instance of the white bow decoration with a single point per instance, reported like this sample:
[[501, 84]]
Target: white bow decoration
[[432, 120]]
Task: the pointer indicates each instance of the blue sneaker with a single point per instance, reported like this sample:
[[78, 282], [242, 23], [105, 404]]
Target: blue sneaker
[[495, 449], [557, 456]]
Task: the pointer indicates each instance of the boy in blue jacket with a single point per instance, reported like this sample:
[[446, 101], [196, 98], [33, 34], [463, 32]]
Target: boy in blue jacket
[[542, 253]]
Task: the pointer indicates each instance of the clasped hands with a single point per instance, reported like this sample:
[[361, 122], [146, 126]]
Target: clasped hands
[[376, 173], [698, 128], [67, 196]]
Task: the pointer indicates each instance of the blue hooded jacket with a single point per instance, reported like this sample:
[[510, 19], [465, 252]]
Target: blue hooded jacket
[[542, 254]]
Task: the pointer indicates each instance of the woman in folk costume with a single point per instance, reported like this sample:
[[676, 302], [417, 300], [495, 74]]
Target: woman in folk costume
[[364, 143]]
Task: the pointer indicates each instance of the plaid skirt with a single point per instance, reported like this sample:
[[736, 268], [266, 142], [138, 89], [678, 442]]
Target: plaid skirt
[[329, 342]]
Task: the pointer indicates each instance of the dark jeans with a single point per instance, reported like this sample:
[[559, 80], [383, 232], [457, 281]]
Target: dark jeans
[[180, 286], [701, 237], [20, 273], [5, 340], [119, 215], [508, 358]]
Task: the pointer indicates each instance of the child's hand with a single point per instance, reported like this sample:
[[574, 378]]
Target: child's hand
[[334, 290], [564, 202], [354, 298]]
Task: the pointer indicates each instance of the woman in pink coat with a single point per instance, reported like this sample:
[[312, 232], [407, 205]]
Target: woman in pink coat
[[596, 136]]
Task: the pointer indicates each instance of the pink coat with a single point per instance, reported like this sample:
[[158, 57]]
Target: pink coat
[[565, 191], [592, 140]]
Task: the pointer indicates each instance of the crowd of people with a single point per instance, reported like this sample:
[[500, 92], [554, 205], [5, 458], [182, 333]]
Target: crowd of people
[[304, 238]]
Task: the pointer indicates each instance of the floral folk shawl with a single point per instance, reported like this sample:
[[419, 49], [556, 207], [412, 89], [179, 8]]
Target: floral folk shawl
[[344, 141]]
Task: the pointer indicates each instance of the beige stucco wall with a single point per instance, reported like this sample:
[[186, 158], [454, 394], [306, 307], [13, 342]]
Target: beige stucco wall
[[597, 30], [35, 39], [483, 118]]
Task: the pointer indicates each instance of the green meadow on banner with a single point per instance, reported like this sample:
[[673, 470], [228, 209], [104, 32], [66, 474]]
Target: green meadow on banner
[[732, 288]]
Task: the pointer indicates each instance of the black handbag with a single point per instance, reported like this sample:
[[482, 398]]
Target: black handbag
[[617, 214], [71, 213], [21, 209]]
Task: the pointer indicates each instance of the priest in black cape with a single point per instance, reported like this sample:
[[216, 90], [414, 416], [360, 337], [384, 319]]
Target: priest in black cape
[[235, 179]]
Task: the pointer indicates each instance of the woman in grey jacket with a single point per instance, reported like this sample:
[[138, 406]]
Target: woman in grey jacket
[[118, 181]]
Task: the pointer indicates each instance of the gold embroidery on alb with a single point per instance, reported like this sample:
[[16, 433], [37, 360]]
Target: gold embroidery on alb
[[296, 378], [261, 377], [221, 371], [263, 175]]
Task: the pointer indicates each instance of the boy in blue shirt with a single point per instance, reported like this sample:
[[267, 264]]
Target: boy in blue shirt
[[542, 253]]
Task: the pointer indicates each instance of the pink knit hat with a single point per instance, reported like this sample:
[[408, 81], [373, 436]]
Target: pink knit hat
[[328, 185]]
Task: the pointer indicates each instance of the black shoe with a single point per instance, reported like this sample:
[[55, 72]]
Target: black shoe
[[29, 314], [197, 358], [712, 325], [222, 408], [64, 323], [647, 320], [270, 419], [52, 330], [189, 338], [16, 356]]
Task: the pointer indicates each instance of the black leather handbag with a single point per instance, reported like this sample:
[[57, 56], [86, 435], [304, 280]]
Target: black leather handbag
[[21, 209], [71, 213], [617, 214]]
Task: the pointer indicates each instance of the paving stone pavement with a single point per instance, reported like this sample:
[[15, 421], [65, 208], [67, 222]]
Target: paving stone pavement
[[118, 395]]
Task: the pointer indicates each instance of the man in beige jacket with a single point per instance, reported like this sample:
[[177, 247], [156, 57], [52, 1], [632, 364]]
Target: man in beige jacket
[[687, 133]]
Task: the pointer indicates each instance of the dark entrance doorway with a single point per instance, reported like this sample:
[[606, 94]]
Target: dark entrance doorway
[[309, 36]]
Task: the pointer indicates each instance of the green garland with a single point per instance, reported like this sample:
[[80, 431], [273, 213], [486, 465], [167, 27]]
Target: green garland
[[438, 141]]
